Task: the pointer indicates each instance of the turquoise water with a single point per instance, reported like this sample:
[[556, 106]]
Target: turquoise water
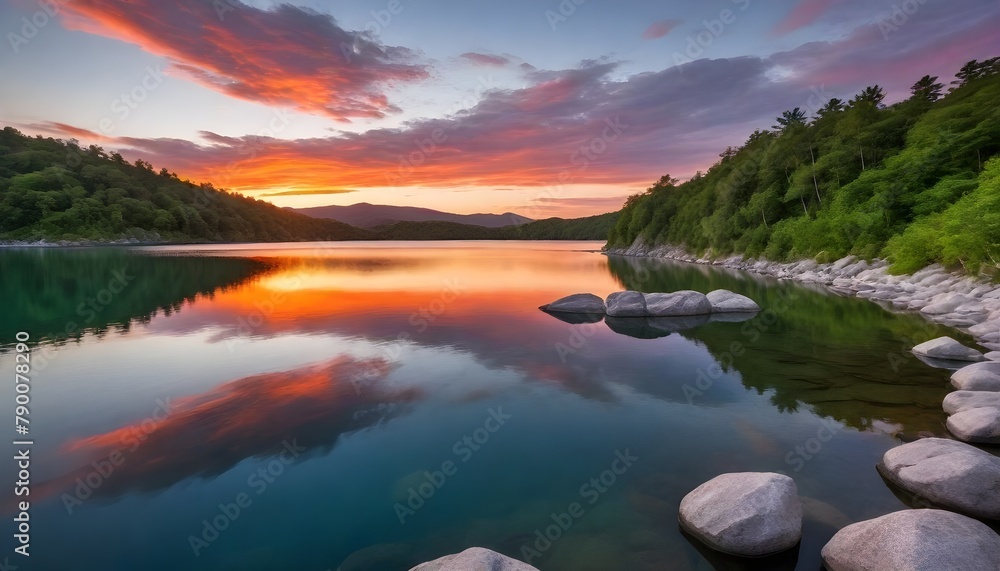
[[370, 406]]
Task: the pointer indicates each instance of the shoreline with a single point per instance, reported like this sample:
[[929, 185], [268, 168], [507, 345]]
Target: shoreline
[[952, 299]]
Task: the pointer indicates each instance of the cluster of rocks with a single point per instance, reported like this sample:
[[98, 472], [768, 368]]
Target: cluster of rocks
[[974, 409], [637, 304], [760, 515], [950, 298], [653, 315]]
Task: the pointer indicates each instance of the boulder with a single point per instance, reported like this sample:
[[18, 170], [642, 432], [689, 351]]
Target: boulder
[[748, 514], [993, 355], [576, 303], [725, 301], [626, 304], [945, 303], [977, 425], [678, 303], [978, 377], [843, 263], [914, 540], [948, 349], [961, 401], [951, 474], [474, 559]]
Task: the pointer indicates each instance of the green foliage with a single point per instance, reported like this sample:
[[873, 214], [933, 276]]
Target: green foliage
[[56, 190], [910, 181], [59, 294], [967, 232]]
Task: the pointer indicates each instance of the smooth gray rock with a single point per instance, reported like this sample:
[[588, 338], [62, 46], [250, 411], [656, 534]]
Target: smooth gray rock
[[475, 559], [993, 355], [626, 304], [945, 303], [960, 401], [725, 301], [843, 263], [678, 303], [914, 540], [978, 377], [976, 425], [948, 473], [750, 514], [576, 303], [947, 348]]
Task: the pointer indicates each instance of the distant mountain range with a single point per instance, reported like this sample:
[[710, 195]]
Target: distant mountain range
[[364, 215]]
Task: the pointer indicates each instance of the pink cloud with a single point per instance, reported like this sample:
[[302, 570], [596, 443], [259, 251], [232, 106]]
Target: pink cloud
[[485, 59], [660, 28], [803, 14]]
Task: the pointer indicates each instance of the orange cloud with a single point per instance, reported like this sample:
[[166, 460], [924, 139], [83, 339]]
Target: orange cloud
[[287, 56], [254, 417]]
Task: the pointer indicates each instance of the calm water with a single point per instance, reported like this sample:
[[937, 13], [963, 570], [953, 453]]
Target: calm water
[[314, 387]]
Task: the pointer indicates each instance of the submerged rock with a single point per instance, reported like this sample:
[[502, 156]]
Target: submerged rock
[[978, 425], [576, 303], [978, 377], [749, 514], [914, 540], [738, 317], [960, 401], [475, 559], [948, 473], [626, 304], [678, 303], [725, 301], [948, 349]]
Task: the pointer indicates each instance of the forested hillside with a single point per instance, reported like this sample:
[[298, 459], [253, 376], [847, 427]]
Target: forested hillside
[[917, 182], [589, 228], [55, 190]]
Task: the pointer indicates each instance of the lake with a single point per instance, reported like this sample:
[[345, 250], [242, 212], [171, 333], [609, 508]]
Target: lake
[[368, 406]]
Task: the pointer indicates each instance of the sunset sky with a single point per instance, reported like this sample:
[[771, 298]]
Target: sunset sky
[[532, 106]]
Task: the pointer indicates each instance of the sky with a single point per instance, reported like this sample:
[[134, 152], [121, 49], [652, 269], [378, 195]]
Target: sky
[[540, 107]]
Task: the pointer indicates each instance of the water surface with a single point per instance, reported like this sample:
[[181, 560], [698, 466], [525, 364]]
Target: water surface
[[325, 386]]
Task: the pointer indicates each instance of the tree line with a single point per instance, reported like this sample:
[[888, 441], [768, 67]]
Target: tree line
[[917, 182]]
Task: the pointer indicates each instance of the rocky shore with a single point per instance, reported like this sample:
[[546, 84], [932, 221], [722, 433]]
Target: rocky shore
[[70, 243], [970, 304]]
